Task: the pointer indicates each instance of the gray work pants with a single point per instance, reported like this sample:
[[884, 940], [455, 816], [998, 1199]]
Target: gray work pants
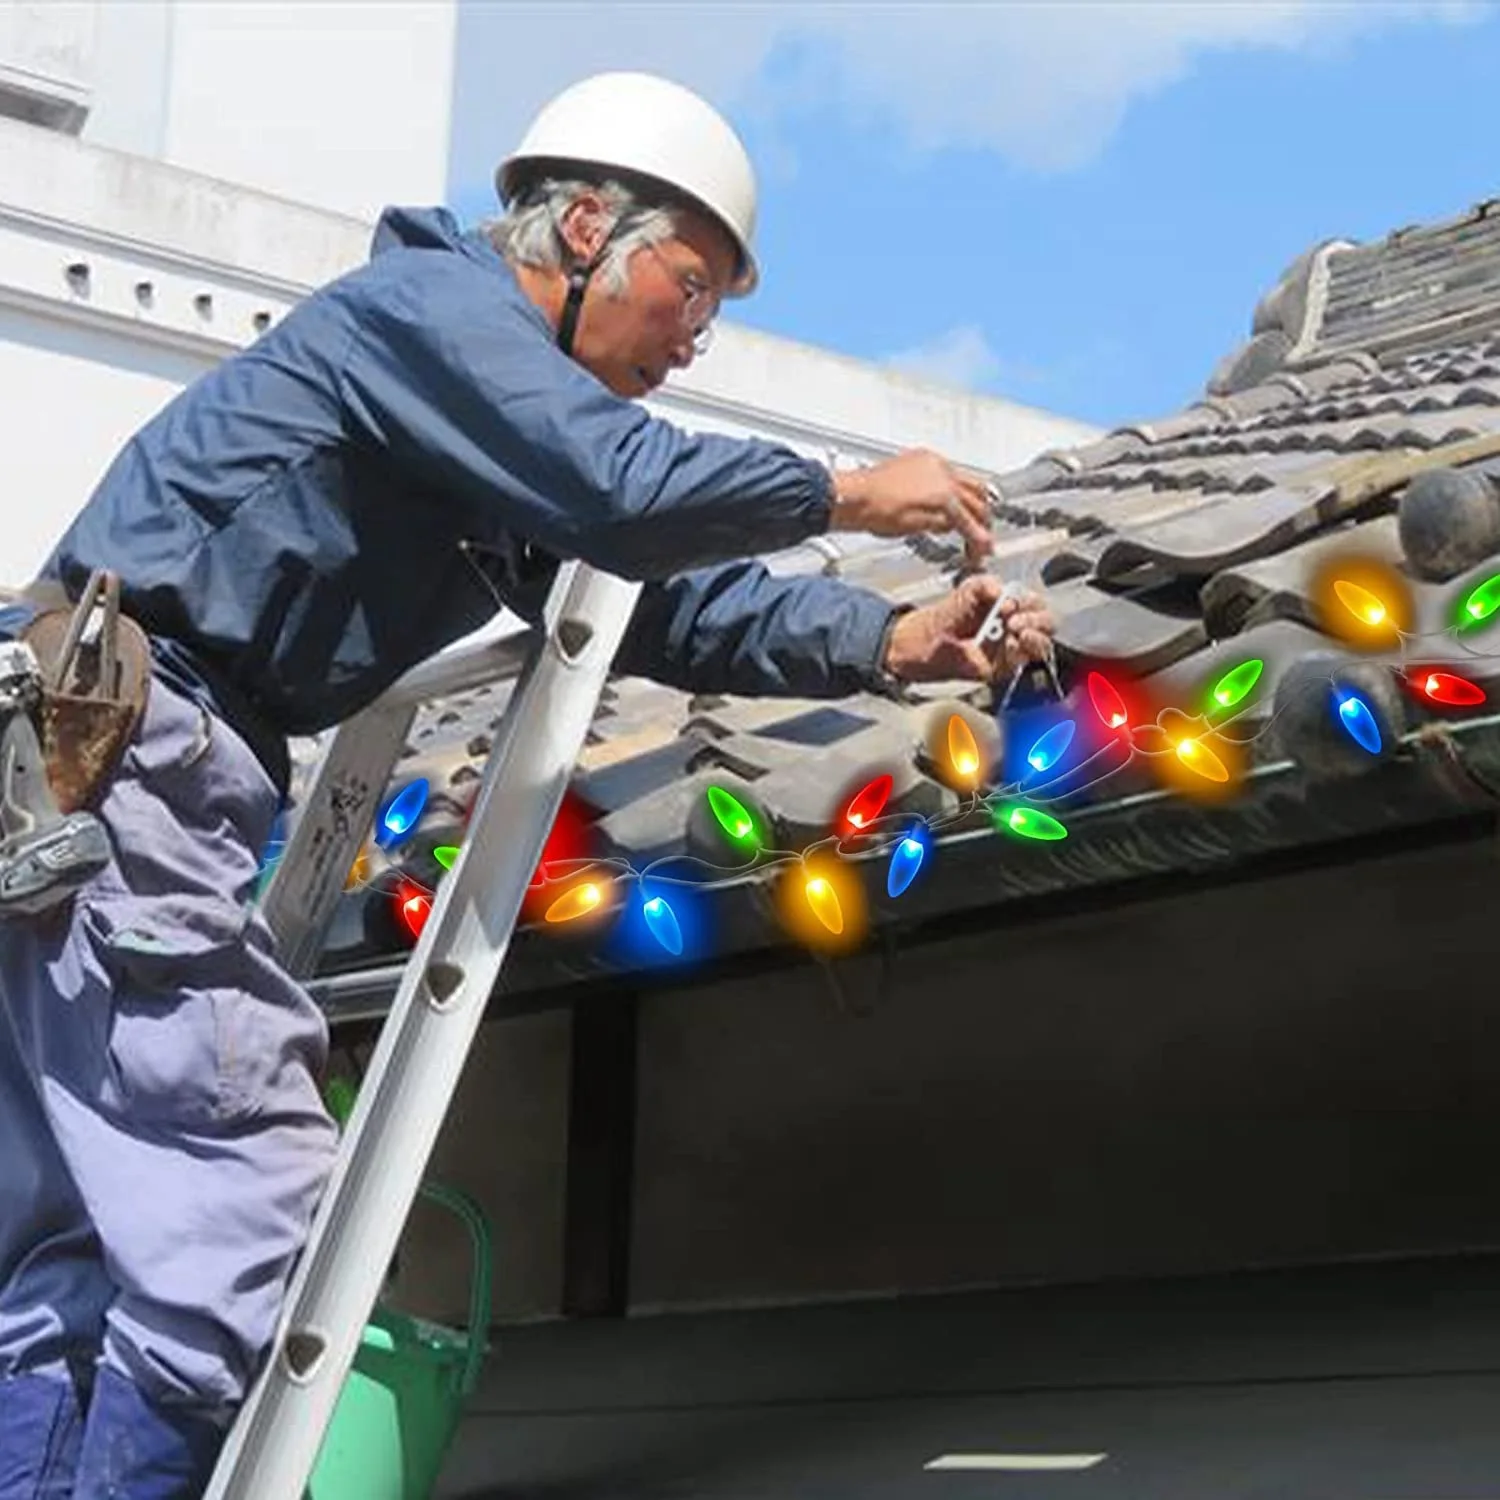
[[162, 1140]]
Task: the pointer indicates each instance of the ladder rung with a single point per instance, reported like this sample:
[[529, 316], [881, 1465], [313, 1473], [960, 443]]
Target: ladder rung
[[471, 665], [357, 994]]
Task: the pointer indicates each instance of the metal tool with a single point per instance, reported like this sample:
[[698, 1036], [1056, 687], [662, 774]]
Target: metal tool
[[993, 629], [45, 855]]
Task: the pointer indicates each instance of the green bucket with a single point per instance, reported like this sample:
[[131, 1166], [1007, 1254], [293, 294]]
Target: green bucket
[[401, 1403]]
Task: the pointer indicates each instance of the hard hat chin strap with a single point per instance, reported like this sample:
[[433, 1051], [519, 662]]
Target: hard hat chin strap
[[578, 283]]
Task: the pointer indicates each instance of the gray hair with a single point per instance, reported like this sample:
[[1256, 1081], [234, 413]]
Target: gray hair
[[530, 233]]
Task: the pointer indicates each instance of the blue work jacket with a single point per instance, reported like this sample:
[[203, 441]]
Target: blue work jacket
[[358, 488]]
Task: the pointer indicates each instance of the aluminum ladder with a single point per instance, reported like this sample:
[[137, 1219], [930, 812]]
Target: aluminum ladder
[[444, 987]]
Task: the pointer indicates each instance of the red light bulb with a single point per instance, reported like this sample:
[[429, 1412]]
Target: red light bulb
[[1448, 689], [869, 804], [1108, 704], [413, 907]]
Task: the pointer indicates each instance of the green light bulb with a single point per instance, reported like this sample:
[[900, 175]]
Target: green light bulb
[[445, 854], [1483, 601], [339, 1095], [1030, 823], [732, 816], [1235, 685]]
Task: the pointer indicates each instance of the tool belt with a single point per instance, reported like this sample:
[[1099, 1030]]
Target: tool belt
[[96, 671]]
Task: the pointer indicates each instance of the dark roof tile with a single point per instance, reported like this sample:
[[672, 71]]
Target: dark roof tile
[[1036, 476], [1203, 417], [1109, 449], [1128, 510], [1336, 370], [1095, 625], [612, 783], [1256, 399], [1280, 586], [1215, 535]]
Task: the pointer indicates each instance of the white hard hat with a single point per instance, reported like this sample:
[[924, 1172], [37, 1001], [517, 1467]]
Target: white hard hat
[[647, 127]]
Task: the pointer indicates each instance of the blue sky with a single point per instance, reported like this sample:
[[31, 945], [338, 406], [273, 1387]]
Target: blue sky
[[1074, 206]]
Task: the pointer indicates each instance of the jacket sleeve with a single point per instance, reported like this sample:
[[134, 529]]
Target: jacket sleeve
[[738, 629], [460, 382]]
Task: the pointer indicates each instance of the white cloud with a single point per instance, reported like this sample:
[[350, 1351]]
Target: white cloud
[[960, 357], [1044, 84]]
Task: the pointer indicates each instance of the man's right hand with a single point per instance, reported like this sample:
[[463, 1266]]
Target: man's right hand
[[915, 491]]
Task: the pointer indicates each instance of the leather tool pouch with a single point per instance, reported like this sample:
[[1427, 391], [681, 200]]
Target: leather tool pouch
[[96, 664]]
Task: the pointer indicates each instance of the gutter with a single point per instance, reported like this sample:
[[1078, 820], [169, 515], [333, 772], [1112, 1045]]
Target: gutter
[[1442, 786]]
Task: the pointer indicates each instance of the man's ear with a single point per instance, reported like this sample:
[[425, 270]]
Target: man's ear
[[585, 226]]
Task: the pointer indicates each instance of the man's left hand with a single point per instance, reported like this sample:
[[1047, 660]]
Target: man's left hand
[[936, 642]]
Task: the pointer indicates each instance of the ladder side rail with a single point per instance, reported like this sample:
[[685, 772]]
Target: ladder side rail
[[303, 892], [424, 1044]]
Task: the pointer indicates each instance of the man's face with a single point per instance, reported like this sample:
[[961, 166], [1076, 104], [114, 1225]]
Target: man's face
[[633, 341]]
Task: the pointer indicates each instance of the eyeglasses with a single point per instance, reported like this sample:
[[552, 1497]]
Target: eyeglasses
[[700, 303]]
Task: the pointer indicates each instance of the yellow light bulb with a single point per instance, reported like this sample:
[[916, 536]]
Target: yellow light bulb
[[577, 902], [1360, 602], [824, 901], [359, 871], [963, 750], [1201, 759]]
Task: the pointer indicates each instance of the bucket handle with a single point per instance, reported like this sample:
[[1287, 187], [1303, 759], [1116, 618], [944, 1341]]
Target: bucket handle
[[479, 1294]]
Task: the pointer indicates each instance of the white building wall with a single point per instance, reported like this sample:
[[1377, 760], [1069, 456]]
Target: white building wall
[[71, 394], [340, 103], [133, 88], [120, 280], [344, 104]]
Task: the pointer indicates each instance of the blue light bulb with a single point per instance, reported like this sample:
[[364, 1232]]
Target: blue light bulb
[[1355, 716], [905, 863], [402, 812], [1051, 747], [661, 922], [275, 843]]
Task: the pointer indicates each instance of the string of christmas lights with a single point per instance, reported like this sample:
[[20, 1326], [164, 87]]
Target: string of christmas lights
[[587, 887]]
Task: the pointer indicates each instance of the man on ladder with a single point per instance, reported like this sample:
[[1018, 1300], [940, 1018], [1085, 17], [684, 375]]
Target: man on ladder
[[414, 444]]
